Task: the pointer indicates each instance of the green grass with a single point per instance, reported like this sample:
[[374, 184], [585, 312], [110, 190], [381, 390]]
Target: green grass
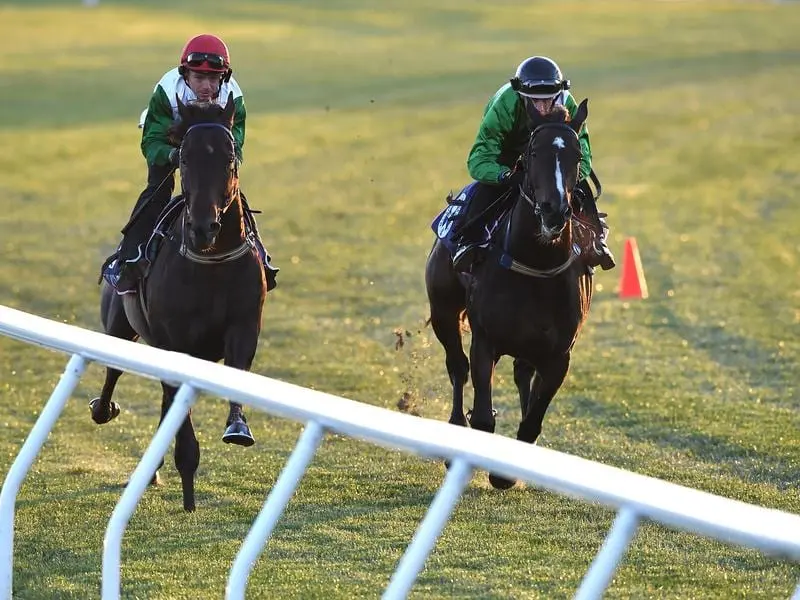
[[360, 118]]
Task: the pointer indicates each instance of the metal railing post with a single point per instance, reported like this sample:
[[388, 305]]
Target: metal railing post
[[142, 475], [276, 502], [457, 478], [605, 563], [22, 464]]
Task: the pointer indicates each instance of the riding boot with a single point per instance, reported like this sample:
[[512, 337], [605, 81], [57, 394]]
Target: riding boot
[[605, 257], [598, 254], [270, 271], [152, 200], [467, 253], [473, 237]]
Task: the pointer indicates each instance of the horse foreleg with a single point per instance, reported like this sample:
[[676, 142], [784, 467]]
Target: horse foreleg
[[483, 359], [187, 449], [548, 379], [115, 322], [447, 327], [240, 349], [523, 378]]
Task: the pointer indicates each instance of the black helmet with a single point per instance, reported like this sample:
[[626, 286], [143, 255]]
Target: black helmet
[[539, 77]]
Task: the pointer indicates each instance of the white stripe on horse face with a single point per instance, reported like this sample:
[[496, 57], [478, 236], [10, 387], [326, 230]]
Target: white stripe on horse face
[[558, 142], [559, 180]]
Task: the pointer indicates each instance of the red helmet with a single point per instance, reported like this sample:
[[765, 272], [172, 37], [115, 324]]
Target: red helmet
[[206, 53]]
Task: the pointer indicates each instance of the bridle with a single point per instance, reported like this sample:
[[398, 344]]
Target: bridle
[[529, 195], [211, 258]]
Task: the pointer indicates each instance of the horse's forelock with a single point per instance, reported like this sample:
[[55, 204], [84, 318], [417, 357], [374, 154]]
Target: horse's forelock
[[204, 112], [558, 114], [197, 112]]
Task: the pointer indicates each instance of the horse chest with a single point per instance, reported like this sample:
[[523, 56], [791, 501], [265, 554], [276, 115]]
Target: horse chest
[[192, 309], [527, 314]]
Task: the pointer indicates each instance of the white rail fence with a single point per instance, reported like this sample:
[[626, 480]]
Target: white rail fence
[[635, 497]]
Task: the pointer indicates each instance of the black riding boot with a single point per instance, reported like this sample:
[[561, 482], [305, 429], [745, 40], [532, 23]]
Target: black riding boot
[[598, 253], [156, 196], [269, 270], [473, 236], [605, 257]]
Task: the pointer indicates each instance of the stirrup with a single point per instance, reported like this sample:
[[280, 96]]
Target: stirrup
[[465, 257]]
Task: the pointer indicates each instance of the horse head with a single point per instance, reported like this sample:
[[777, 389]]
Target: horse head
[[208, 167], [552, 160]]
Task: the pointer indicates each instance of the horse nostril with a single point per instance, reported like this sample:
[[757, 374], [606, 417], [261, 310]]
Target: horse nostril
[[214, 228], [567, 212]]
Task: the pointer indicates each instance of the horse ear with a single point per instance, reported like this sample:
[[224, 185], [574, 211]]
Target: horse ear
[[183, 111], [230, 111], [580, 115]]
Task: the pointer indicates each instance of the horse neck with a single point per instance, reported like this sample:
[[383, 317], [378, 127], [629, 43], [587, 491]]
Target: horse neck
[[233, 230], [525, 244]]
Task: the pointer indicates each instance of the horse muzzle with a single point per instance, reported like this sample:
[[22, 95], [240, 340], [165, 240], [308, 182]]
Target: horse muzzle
[[555, 221], [203, 236]]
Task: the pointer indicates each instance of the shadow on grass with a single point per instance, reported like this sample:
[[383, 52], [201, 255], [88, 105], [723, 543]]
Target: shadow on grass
[[743, 463]]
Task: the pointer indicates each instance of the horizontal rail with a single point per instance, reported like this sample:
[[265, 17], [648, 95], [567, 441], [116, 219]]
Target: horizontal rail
[[773, 532]]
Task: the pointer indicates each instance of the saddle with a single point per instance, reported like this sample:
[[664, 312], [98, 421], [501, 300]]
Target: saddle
[[449, 223]]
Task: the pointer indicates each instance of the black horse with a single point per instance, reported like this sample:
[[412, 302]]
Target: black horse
[[528, 299], [205, 289]]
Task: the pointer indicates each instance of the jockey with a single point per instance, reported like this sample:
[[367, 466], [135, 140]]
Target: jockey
[[502, 137], [205, 75]]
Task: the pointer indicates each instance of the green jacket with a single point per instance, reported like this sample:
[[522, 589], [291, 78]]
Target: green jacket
[[504, 133], [162, 112]]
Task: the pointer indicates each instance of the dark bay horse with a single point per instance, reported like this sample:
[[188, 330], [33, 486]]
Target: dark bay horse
[[205, 289], [528, 299]]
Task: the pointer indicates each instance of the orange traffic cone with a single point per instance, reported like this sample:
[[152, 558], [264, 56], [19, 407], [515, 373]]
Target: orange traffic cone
[[632, 283]]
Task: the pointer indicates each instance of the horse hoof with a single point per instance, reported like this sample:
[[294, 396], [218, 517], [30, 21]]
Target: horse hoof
[[100, 416], [487, 426], [501, 483], [462, 422], [189, 507], [238, 433], [154, 482]]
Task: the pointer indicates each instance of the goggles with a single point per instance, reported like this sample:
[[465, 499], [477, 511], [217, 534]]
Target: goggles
[[213, 61], [539, 89]]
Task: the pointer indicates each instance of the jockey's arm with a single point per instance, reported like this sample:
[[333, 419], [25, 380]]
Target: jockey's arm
[[498, 121], [155, 137], [239, 117], [583, 137]]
